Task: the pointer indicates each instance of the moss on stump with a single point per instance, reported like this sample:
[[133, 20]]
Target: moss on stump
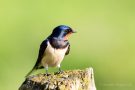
[[68, 80]]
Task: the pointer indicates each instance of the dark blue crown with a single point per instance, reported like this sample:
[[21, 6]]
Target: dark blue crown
[[63, 27]]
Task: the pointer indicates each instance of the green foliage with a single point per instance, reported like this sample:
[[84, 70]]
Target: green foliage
[[105, 38]]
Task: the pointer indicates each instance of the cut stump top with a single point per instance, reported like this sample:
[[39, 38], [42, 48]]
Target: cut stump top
[[68, 80]]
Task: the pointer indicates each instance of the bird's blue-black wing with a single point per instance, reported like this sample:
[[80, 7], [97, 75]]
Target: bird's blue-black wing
[[40, 56]]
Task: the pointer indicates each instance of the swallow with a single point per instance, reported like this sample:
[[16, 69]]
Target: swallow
[[53, 49]]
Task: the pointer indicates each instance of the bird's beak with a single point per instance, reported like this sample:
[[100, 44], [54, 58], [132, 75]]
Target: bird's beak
[[74, 31]]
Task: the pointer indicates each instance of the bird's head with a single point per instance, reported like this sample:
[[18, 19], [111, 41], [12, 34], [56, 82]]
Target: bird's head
[[62, 32]]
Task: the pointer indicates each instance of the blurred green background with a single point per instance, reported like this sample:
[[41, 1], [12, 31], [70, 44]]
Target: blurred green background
[[105, 39]]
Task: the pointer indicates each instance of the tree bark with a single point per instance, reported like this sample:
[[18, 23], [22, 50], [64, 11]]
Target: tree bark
[[68, 80]]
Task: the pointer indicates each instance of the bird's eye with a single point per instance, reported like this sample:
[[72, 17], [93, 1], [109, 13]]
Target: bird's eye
[[66, 31]]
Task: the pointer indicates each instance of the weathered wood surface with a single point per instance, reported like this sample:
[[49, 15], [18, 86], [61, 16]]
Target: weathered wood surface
[[68, 80]]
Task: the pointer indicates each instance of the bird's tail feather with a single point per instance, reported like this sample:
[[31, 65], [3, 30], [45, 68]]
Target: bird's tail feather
[[34, 68], [30, 72]]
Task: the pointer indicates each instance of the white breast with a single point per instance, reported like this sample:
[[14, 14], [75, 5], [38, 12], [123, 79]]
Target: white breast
[[53, 57]]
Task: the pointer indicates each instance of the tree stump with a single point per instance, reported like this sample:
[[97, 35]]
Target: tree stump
[[68, 80]]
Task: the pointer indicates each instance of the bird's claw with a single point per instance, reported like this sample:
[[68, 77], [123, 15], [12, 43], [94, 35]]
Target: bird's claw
[[47, 74], [59, 72]]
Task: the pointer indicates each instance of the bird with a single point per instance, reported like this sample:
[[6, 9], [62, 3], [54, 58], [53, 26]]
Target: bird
[[53, 49]]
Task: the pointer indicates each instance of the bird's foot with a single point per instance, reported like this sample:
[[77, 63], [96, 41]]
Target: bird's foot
[[55, 73], [47, 74], [59, 72]]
